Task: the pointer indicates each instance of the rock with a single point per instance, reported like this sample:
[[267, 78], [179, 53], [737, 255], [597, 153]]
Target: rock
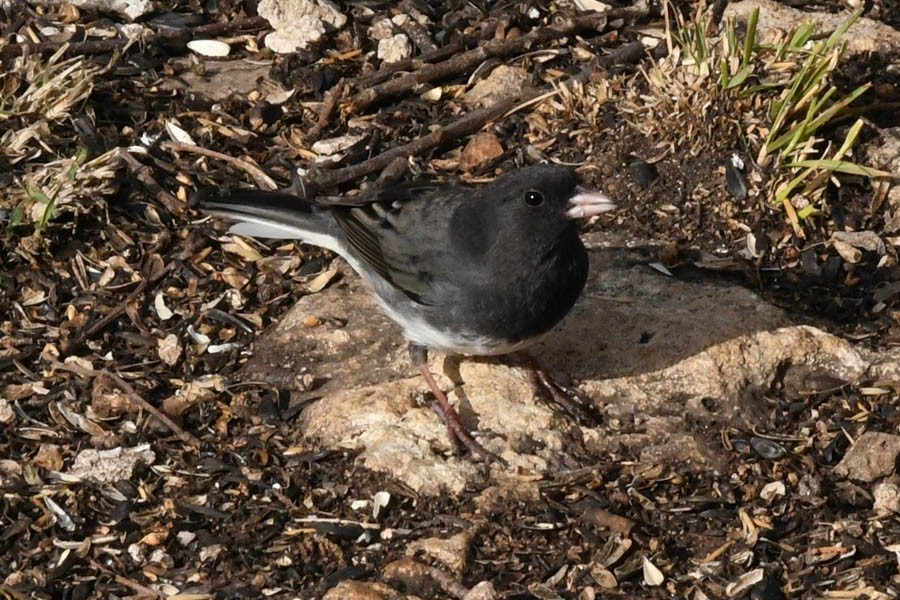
[[169, 349], [503, 82], [872, 456], [884, 153], [395, 48], [405, 440], [483, 590], [219, 80], [422, 580], [481, 148], [453, 553], [129, 9], [298, 23], [866, 35], [362, 590], [647, 349], [334, 149], [508, 491], [109, 466], [886, 496], [381, 29]]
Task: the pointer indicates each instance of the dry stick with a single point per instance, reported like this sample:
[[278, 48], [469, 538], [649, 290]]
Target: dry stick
[[413, 64], [124, 581], [132, 395], [628, 54], [9, 593], [467, 125], [460, 63], [263, 181], [331, 102], [144, 174], [183, 435], [463, 62], [438, 54], [418, 34], [181, 36], [448, 584], [119, 310], [410, 64]]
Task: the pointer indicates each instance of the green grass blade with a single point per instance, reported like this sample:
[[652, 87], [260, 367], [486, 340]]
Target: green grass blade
[[750, 38], [842, 29], [840, 166]]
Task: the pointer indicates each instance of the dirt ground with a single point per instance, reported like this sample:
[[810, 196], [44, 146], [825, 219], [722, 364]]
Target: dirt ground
[[137, 461]]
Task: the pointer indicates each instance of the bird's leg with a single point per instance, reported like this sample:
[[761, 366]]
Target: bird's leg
[[570, 400], [458, 433]]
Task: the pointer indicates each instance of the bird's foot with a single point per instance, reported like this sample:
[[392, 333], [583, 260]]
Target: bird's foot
[[572, 402], [459, 435]]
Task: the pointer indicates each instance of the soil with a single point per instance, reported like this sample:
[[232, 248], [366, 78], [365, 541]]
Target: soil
[[242, 506]]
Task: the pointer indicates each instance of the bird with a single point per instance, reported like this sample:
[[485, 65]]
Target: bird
[[466, 269]]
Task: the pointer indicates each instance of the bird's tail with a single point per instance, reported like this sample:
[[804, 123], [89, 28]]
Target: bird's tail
[[275, 215]]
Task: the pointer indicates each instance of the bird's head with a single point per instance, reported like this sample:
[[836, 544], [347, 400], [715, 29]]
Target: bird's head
[[543, 200]]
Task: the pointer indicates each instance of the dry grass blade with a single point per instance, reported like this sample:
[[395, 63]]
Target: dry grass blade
[[54, 88], [38, 100]]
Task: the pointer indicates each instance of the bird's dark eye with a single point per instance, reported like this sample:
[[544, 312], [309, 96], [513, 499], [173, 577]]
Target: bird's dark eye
[[534, 198]]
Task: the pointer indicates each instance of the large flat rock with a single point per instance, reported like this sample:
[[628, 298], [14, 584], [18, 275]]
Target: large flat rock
[[653, 353]]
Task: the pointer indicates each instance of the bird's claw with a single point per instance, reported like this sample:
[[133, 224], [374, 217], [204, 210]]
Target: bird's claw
[[460, 436], [570, 400]]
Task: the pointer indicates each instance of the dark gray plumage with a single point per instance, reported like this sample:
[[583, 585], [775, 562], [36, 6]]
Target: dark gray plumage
[[477, 270]]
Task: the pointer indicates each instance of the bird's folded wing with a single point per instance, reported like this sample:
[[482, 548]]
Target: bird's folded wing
[[400, 233], [381, 236]]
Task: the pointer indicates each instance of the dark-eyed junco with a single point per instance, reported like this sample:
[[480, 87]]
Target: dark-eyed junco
[[472, 270]]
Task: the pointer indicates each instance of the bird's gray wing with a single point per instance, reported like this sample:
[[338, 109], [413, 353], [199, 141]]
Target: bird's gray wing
[[402, 235]]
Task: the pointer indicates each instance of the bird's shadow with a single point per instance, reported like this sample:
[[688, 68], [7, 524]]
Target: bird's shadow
[[630, 319]]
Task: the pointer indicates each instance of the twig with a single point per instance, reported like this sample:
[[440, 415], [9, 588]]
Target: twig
[[263, 181], [410, 64], [414, 64], [337, 521], [418, 34], [535, 99], [668, 27], [126, 387], [116, 312], [461, 63], [144, 174], [331, 102], [627, 54], [467, 125], [12, 593], [129, 583]]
